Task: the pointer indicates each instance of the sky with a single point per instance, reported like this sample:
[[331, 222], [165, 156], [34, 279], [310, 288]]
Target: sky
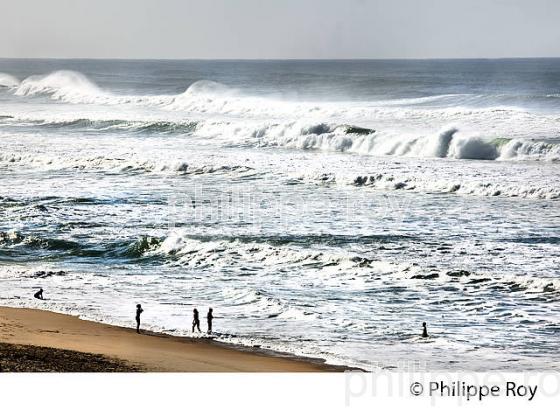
[[279, 29]]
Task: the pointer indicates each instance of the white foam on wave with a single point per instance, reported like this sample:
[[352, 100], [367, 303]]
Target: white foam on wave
[[125, 163], [447, 143], [197, 253], [210, 97], [74, 87], [268, 122], [103, 123], [392, 182], [334, 265], [209, 88], [69, 86], [520, 149], [7, 80], [145, 159]]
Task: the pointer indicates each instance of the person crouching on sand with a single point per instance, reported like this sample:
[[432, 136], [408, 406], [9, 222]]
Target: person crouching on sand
[[139, 311], [209, 318], [196, 320]]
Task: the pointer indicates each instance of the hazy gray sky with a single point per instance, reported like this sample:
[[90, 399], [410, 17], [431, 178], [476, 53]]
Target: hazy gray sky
[[279, 28]]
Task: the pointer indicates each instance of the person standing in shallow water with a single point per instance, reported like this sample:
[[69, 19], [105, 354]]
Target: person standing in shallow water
[[209, 318], [139, 311], [196, 320], [425, 330]]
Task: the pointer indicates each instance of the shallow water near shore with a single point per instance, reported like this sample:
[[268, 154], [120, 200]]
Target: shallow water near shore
[[324, 209]]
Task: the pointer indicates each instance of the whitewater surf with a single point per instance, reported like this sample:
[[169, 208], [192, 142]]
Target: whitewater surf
[[322, 208]]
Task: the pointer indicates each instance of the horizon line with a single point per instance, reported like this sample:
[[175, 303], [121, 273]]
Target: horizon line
[[283, 59]]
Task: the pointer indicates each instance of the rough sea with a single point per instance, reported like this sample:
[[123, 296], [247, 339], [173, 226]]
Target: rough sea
[[322, 208]]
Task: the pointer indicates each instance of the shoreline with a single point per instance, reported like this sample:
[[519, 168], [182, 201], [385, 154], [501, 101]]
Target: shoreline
[[148, 351]]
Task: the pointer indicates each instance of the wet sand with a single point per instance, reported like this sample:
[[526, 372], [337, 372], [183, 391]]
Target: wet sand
[[24, 332], [28, 358]]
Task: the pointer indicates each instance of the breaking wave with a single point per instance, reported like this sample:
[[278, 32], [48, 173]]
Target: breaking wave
[[7, 80], [63, 85], [74, 87], [15, 244], [128, 163], [448, 143], [110, 125], [256, 253], [207, 97]]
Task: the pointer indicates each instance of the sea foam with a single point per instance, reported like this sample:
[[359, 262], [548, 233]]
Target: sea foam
[[7, 80]]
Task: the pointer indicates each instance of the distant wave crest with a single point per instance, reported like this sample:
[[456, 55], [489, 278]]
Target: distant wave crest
[[7, 80], [264, 122], [75, 87], [63, 85]]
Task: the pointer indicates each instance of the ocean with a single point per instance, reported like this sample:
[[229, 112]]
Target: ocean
[[321, 208]]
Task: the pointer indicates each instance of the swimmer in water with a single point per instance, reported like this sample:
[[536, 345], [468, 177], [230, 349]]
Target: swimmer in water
[[425, 330], [39, 294]]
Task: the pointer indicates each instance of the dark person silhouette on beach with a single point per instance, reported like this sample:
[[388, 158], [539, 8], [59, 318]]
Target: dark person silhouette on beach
[[425, 331], [39, 294], [139, 311], [196, 320], [209, 318]]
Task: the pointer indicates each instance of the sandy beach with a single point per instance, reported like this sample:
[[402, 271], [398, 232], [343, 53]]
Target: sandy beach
[[25, 333]]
